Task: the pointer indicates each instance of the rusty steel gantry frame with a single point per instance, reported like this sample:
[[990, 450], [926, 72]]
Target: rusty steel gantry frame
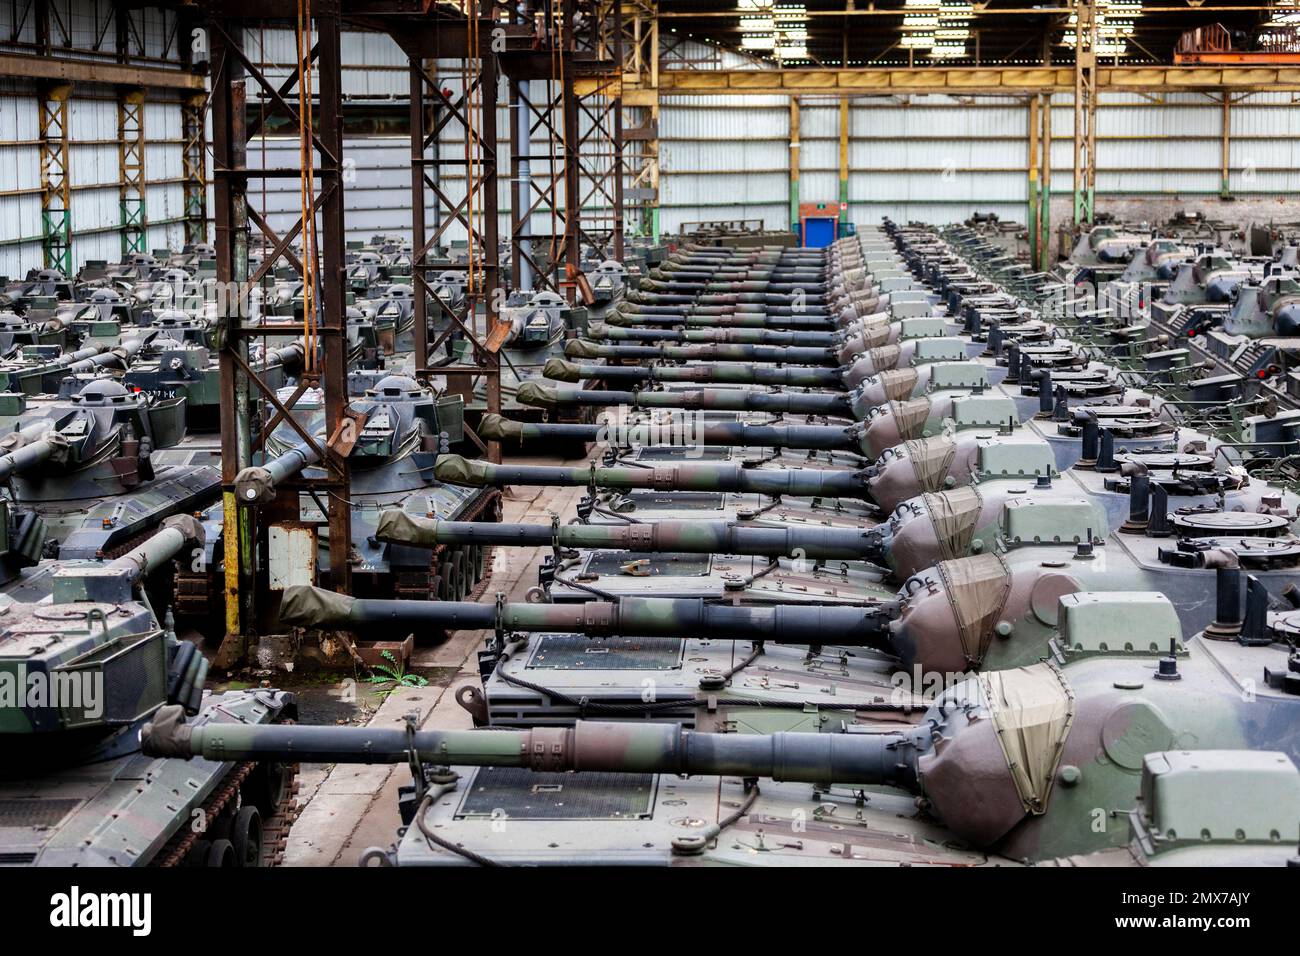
[[640, 98], [194, 165], [434, 111], [573, 80], [598, 152], [425, 36], [231, 131]]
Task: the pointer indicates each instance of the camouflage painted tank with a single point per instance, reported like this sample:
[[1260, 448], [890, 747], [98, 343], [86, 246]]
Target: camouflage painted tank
[[168, 368], [532, 329], [1092, 727], [79, 678], [84, 466], [400, 428]]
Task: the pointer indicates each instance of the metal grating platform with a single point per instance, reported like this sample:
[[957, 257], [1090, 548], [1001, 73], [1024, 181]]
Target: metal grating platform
[[684, 453], [569, 652], [22, 812], [675, 565], [680, 500], [520, 794]]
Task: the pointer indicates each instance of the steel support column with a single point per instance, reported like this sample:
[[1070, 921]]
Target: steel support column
[[794, 166], [844, 167], [130, 168], [640, 101], [1225, 147], [229, 153], [194, 169], [471, 112], [1045, 185], [1032, 163], [339, 425], [572, 260], [56, 186], [1085, 111]]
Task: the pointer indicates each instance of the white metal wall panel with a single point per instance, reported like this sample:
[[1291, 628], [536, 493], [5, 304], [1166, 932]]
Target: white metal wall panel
[[933, 158], [20, 180]]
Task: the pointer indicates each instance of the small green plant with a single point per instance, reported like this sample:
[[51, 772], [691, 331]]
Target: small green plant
[[383, 674]]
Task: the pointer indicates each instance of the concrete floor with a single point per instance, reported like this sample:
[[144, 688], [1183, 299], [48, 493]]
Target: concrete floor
[[346, 809]]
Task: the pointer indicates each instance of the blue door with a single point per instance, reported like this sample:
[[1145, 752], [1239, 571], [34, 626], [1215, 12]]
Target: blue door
[[818, 232]]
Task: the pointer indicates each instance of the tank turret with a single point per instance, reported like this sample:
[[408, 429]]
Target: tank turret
[[1046, 742], [85, 465], [1267, 308], [1210, 278]]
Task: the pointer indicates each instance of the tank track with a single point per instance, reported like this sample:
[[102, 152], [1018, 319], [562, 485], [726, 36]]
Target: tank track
[[423, 585], [275, 829], [192, 593]]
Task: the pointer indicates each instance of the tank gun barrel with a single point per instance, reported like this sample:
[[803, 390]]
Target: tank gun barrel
[[688, 537], [725, 477], [120, 355], [287, 355], [80, 355], [540, 395], [256, 484], [866, 759], [307, 606], [721, 373], [27, 448], [631, 316], [740, 336], [177, 532], [810, 437], [768, 354]]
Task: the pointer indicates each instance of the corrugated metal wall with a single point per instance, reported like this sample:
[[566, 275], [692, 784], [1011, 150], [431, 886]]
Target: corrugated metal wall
[[378, 188], [934, 158], [93, 148]]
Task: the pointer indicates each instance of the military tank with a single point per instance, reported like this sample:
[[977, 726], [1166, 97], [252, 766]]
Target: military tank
[[77, 790], [531, 330], [168, 367], [400, 427], [84, 466], [1092, 727]]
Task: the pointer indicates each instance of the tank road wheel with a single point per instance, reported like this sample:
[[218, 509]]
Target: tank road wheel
[[266, 787], [445, 582], [221, 855], [246, 837], [460, 574], [198, 853]]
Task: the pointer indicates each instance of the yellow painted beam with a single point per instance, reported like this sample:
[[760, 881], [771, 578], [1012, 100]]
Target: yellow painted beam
[[27, 66], [965, 80]]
